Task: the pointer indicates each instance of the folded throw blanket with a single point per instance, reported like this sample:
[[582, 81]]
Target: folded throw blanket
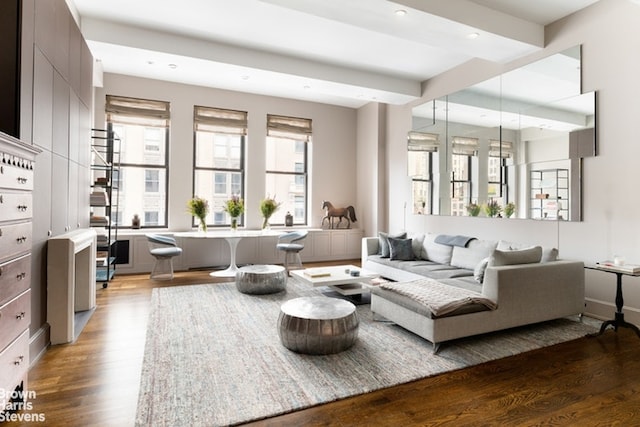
[[458, 240], [439, 298]]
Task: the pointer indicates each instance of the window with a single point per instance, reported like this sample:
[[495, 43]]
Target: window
[[218, 169], [286, 164], [421, 147], [462, 149], [143, 128], [497, 168]]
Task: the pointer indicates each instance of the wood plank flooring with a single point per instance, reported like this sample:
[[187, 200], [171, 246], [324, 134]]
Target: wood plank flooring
[[586, 382]]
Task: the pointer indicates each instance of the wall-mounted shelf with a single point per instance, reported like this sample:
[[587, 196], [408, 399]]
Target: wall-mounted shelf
[[549, 196]]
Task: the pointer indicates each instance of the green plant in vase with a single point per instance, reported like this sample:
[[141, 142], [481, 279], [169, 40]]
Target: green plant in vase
[[268, 207], [509, 209], [473, 209], [199, 208], [234, 207], [492, 208]]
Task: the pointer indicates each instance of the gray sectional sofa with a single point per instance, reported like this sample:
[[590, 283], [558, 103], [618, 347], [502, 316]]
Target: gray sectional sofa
[[466, 286]]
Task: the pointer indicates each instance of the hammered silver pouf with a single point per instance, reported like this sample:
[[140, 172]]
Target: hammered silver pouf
[[261, 279], [318, 325]]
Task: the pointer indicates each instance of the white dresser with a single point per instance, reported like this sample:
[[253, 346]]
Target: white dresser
[[17, 161]]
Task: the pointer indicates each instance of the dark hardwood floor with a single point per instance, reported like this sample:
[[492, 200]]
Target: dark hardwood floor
[[586, 382]]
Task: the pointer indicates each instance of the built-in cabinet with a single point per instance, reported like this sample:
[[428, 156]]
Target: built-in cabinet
[[105, 155], [17, 161], [550, 194]]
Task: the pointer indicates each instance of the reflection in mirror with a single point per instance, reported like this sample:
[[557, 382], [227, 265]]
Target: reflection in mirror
[[490, 140]]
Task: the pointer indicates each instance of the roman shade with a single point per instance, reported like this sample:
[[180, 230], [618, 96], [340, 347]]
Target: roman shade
[[465, 146], [219, 120], [289, 127], [496, 151], [421, 141], [145, 112]]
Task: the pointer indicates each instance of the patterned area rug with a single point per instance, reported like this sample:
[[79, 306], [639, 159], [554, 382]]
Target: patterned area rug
[[213, 357]]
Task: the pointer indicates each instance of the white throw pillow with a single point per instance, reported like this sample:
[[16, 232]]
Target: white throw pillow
[[435, 252]]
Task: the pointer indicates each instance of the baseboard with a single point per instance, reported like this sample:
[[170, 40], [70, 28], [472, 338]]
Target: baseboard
[[605, 310], [38, 344]]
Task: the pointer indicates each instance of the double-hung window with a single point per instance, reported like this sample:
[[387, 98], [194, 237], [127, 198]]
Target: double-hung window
[[420, 147], [218, 169], [499, 152], [462, 149], [286, 164], [143, 128]]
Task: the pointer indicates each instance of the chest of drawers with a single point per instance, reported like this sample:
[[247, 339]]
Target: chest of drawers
[[17, 162]]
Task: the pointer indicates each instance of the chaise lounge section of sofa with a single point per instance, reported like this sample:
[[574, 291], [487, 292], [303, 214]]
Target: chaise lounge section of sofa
[[524, 284]]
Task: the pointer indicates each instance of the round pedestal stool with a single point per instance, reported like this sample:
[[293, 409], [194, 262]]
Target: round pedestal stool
[[318, 325], [261, 279]]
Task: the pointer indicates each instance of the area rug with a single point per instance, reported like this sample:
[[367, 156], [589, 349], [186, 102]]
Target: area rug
[[213, 357]]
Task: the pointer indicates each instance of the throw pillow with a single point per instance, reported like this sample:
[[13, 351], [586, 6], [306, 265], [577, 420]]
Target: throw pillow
[[478, 271], [549, 255], [436, 252], [384, 242], [401, 249], [521, 256], [475, 251]]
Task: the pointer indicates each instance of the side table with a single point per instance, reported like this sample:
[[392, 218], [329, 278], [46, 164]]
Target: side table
[[618, 320]]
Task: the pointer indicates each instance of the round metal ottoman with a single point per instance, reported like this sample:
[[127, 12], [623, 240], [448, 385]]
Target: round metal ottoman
[[318, 325], [261, 279]]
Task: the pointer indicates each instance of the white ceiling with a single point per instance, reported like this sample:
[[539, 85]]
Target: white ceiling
[[331, 51]]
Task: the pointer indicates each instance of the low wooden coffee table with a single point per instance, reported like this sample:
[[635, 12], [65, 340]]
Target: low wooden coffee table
[[339, 279]]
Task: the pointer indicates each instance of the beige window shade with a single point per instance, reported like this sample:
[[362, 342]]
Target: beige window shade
[[421, 141], [494, 148], [289, 127], [464, 146], [145, 112], [208, 119]]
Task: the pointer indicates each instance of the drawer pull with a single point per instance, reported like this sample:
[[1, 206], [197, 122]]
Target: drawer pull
[[21, 276], [22, 180], [19, 360], [21, 239], [21, 315], [22, 208]]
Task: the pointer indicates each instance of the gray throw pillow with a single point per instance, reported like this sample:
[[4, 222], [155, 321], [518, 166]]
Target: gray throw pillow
[[383, 242], [401, 249], [522, 256]]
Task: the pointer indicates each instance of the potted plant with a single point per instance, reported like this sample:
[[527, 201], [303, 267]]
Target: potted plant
[[473, 209], [199, 208], [234, 207], [268, 207], [492, 208], [509, 209]]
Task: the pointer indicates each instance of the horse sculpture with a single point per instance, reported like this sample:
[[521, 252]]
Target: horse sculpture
[[332, 212]]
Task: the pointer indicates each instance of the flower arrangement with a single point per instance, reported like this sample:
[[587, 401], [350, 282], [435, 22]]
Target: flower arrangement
[[268, 207], [234, 207], [199, 208], [473, 209], [492, 208], [509, 209]]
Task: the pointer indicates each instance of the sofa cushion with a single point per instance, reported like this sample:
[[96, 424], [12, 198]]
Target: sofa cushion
[[521, 256], [401, 249], [416, 242], [435, 252], [383, 237], [475, 252]]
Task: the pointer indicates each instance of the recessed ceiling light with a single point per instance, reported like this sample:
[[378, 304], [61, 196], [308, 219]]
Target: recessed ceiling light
[[306, 87], [472, 36], [244, 77], [150, 62], [173, 66], [400, 12]]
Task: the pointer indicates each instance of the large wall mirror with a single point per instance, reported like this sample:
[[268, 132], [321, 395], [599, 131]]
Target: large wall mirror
[[510, 146]]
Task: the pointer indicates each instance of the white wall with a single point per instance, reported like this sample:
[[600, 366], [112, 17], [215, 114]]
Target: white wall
[[333, 150], [610, 38]]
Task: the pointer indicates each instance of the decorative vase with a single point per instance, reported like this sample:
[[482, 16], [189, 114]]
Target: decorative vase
[[234, 223], [265, 223], [203, 225]]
